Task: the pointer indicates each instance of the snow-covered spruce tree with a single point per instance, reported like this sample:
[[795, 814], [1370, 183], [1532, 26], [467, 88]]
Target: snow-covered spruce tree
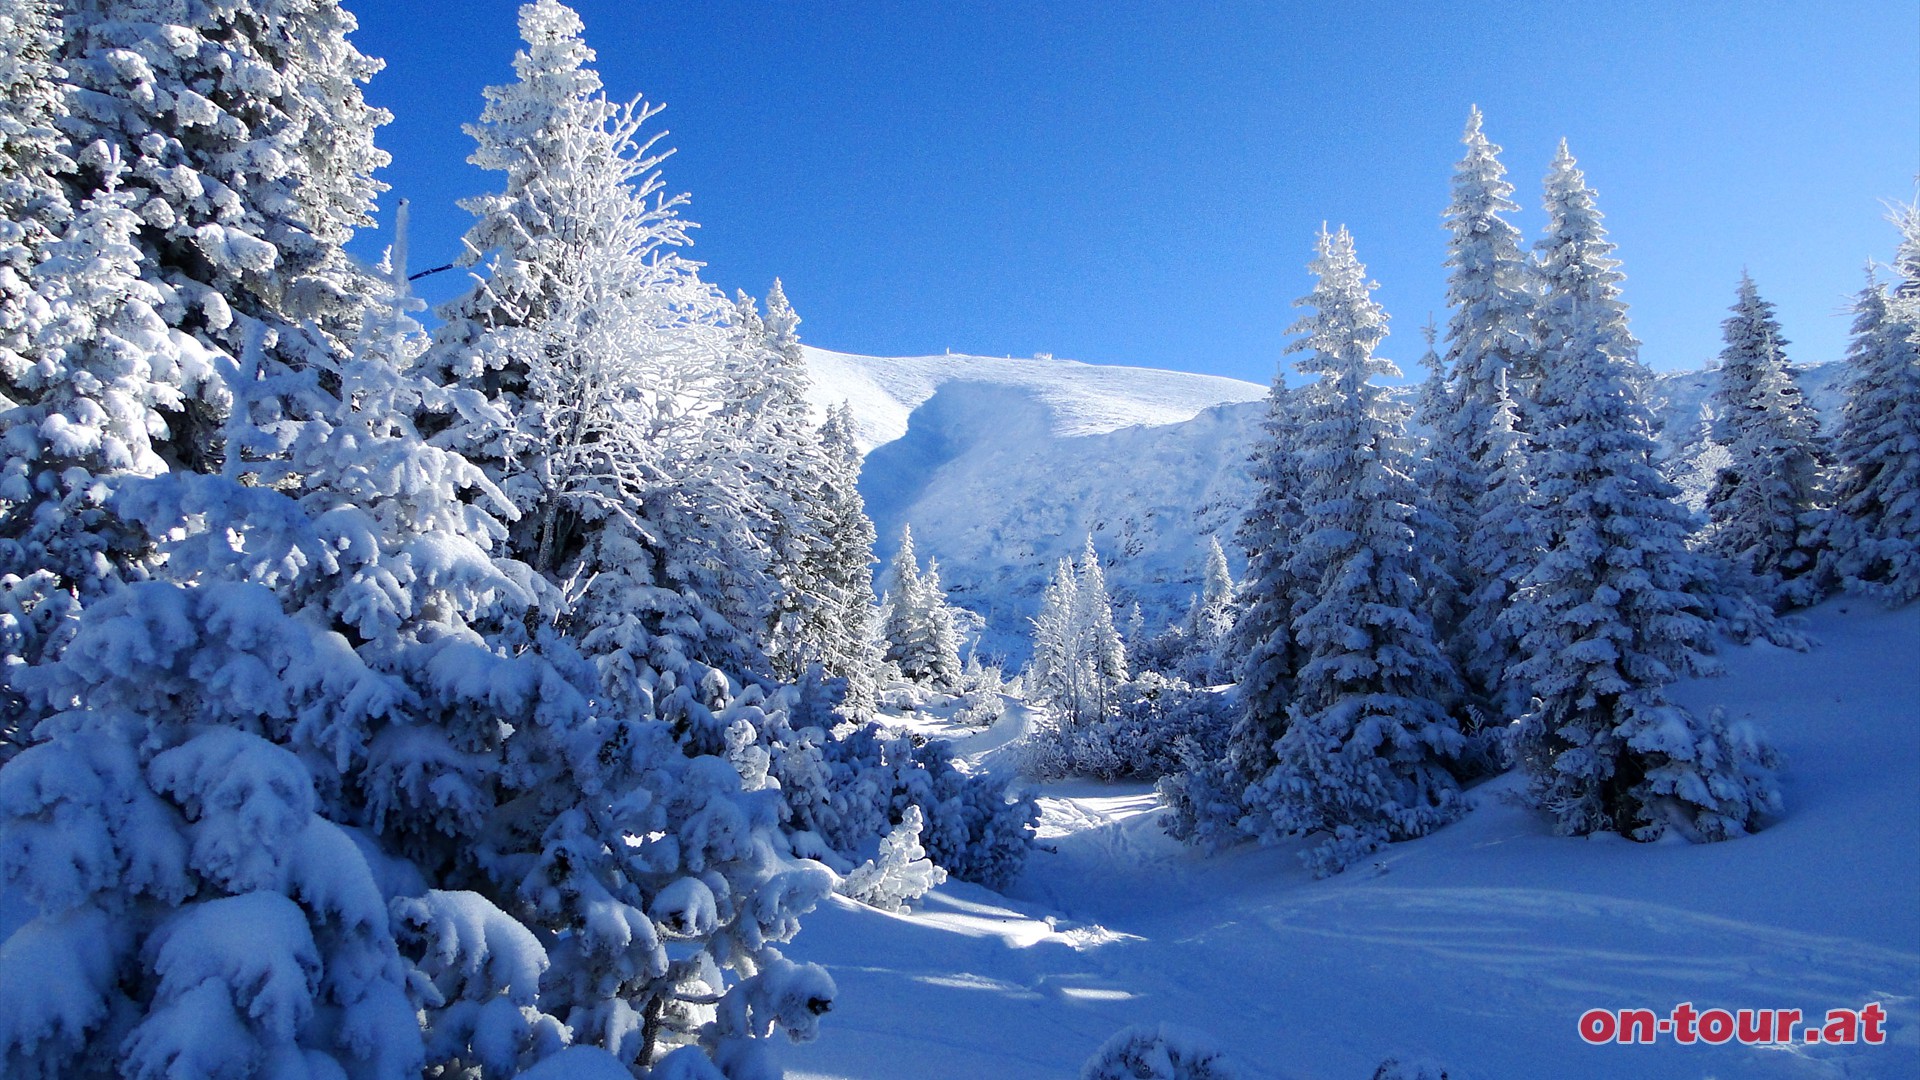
[[1876, 516], [1106, 654], [235, 140], [33, 201], [252, 742], [608, 355], [1490, 289], [1368, 751], [1490, 357], [1501, 549], [847, 566], [1765, 510], [33, 212], [1078, 659], [1057, 675], [82, 419], [1617, 607], [1577, 290], [789, 466], [1209, 622], [1696, 465], [1442, 476], [248, 154], [604, 358], [1206, 801], [917, 632], [900, 874]]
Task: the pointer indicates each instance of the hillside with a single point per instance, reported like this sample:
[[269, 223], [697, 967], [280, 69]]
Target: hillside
[[1477, 948], [1002, 467]]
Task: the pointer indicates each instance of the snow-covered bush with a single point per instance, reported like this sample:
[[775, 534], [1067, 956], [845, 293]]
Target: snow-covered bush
[[850, 791], [1156, 726], [1159, 1052], [900, 873]]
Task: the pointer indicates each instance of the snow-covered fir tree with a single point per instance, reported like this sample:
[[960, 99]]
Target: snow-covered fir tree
[[1876, 523], [605, 359], [1443, 477], [846, 566], [1078, 658], [1502, 547], [1765, 509], [1367, 754], [32, 195], [1617, 607], [247, 149], [1490, 290], [1490, 359], [1208, 627], [917, 631], [223, 728], [1270, 593], [1206, 801], [82, 420], [1697, 463], [788, 461], [1106, 654], [1056, 674]]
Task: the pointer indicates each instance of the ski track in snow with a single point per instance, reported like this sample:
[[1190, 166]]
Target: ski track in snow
[[1477, 947]]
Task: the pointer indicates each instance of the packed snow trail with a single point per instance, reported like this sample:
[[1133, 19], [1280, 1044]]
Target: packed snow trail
[[1478, 947]]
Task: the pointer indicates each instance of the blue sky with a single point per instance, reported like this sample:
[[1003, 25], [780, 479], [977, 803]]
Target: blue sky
[[1140, 183]]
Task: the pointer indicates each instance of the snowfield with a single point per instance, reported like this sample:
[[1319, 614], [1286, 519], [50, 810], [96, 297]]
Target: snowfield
[[1003, 467], [1476, 948]]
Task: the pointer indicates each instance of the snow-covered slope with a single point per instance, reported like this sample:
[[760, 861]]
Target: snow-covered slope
[[1478, 947], [1077, 399], [1002, 467]]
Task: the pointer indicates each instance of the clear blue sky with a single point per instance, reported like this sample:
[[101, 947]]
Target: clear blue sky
[[1140, 183]]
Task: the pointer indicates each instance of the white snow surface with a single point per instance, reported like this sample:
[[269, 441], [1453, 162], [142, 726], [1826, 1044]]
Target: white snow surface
[[1079, 399], [1003, 467], [1476, 948]]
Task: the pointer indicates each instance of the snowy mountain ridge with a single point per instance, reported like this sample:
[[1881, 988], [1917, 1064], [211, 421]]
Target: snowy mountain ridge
[[1003, 466]]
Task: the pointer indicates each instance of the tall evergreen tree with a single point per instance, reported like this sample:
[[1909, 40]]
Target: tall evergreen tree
[[1765, 507], [1079, 660], [1490, 358], [607, 355], [84, 420], [1271, 592], [847, 565], [604, 360], [1447, 483], [34, 207], [1207, 801], [1617, 607], [1057, 673], [1210, 621], [1877, 444], [794, 509], [1106, 653], [1490, 290], [1366, 755], [1501, 549], [917, 631], [247, 147]]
